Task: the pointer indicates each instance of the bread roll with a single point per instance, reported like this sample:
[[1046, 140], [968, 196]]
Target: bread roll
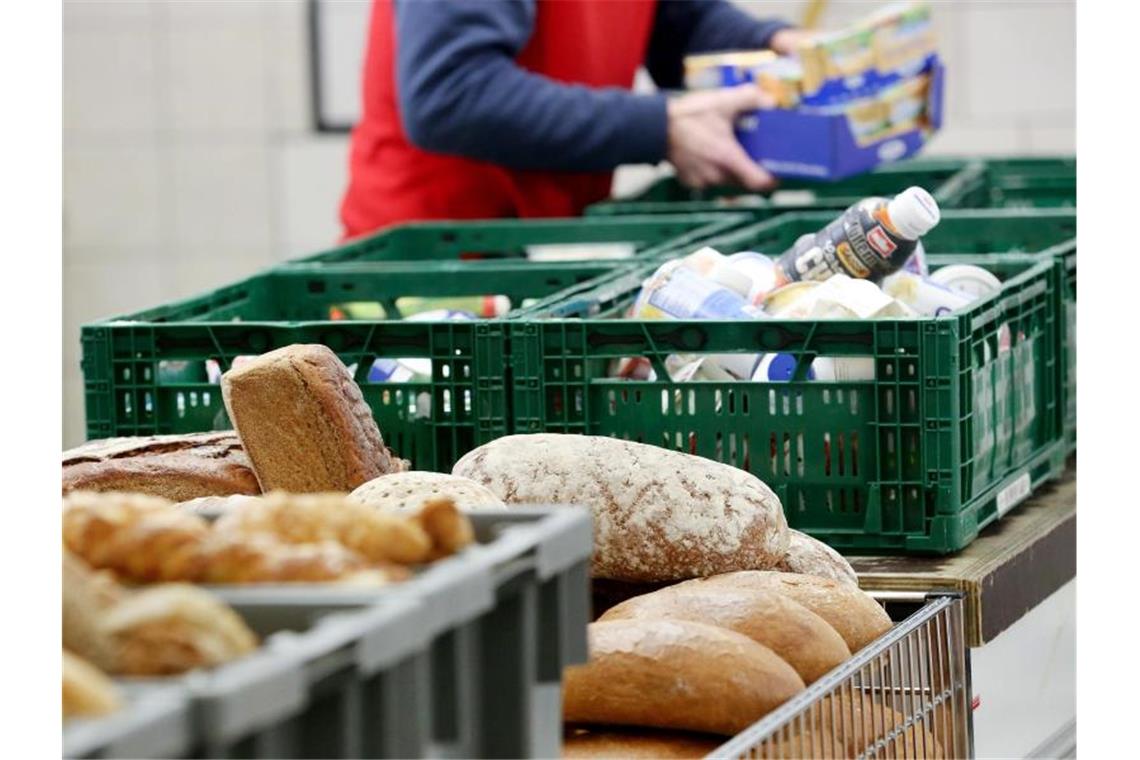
[[853, 614], [802, 638], [87, 691], [658, 514], [407, 492], [304, 422], [809, 556], [636, 744], [176, 467], [675, 674]]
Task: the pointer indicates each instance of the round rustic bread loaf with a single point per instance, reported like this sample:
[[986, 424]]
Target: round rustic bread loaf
[[659, 515], [675, 674], [852, 613], [636, 744], [803, 639], [810, 556], [408, 491]]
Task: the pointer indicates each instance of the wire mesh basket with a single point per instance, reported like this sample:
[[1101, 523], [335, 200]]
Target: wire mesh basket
[[906, 695]]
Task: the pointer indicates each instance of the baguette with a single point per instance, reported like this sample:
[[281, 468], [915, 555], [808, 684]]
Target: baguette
[[659, 515], [809, 556], [803, 639], [636, 744], [176, 467], [304, 422], [675, 674], [852, 613]]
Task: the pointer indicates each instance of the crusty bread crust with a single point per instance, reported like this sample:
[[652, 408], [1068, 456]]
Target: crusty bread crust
[[659, 515], [304, 422], [803, 639], [675, 674], [176, 467], [810, 556], [852, 613], [636, 744]]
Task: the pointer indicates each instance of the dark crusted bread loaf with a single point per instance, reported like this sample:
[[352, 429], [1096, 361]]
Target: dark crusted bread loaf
[[175, 467], [304, 422]]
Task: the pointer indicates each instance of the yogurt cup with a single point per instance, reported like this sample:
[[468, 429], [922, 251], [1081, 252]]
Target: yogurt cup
[[968, 279]]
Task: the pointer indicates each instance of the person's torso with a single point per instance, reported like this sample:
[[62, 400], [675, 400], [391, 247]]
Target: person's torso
[[599, 43]]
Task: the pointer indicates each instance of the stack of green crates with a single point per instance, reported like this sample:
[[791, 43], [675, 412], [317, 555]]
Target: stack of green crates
[[147, 373], [945, 438], [954, 183], [954, 430]]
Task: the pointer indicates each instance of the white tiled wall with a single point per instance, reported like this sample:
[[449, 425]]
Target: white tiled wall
[[190, 161]]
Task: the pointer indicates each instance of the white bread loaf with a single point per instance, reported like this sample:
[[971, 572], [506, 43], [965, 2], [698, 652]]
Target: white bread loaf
[[659, 515], [408, 491], [810, 556], [803, 639], [675, 674]]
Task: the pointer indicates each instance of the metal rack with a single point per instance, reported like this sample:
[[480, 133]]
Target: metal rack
[[907, 694]]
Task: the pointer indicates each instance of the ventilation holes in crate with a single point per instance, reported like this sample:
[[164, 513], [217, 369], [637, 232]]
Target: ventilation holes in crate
[[611, 402], [446, 401]]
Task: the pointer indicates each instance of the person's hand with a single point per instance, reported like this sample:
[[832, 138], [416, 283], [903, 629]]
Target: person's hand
[[702, 146], [788, 41]]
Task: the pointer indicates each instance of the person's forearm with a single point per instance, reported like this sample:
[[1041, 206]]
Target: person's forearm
[[702, 26], [720, 25], [462, 93]]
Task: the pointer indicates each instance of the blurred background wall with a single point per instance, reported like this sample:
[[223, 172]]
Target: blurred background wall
[[190, 157]]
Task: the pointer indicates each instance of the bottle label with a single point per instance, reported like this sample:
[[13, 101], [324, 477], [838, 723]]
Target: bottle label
[[860, 243], [881, 242]]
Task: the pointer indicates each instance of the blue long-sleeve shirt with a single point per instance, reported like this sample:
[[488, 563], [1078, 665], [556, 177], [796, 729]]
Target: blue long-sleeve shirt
[[462, 93]]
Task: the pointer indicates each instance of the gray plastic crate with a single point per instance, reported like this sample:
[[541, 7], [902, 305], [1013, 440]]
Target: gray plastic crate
[[502, 618], [155, 721], [335, 678]]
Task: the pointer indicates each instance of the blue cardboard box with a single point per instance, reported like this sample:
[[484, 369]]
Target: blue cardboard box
[[811, 143]]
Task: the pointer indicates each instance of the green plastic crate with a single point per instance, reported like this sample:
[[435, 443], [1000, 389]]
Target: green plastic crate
[[1065, 258], [954, 182], [1015, 183], [511, 238], [146, 373], [949, 435], [668, 196]]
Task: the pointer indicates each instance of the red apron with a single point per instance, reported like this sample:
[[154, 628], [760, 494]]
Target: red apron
[[599, 43]]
